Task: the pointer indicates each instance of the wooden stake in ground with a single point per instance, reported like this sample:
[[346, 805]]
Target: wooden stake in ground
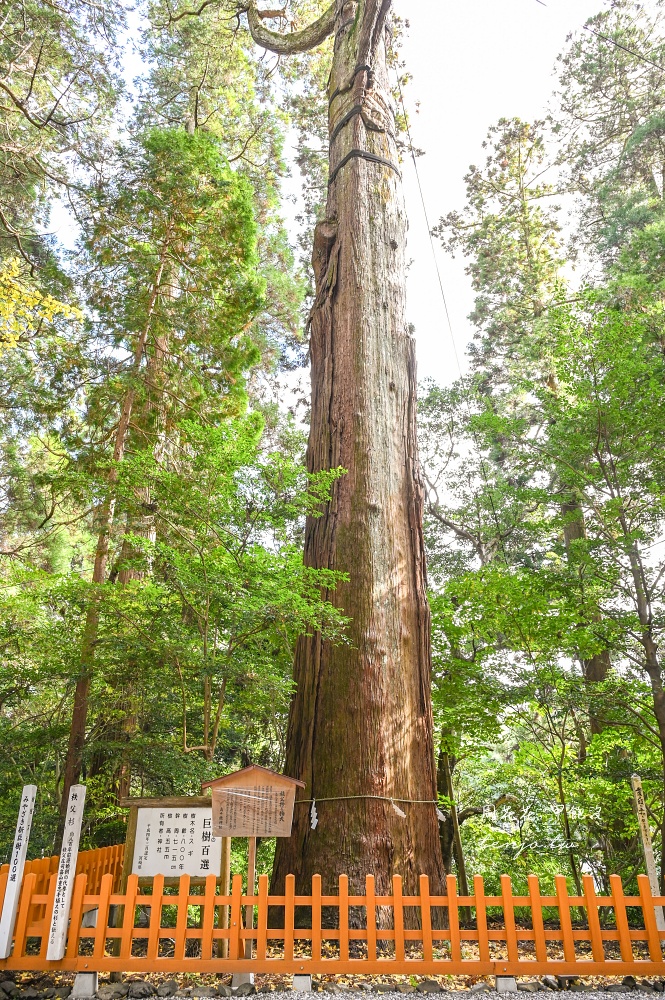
[[645, 834], [16, 866], [66, 874], [251, 885], [225, 890], [360, 726]]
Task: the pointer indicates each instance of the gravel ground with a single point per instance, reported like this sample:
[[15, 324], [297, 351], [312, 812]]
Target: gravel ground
[[451, 995]]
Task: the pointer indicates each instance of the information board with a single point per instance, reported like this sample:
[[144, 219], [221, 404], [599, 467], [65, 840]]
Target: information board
[[16, 867], [645, 833], [66, 873], [176, 841], [261, 810]]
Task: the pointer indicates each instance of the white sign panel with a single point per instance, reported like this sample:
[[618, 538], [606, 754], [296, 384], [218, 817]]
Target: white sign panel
[[66, 874], [16, 866], [175, 842]]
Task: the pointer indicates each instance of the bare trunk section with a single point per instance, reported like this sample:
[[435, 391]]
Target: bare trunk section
[[652, 664], [597, 667], [360, 723], [449, 831]]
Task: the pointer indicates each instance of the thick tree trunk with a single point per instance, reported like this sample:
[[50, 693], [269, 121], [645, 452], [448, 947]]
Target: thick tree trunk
[[361, 720]]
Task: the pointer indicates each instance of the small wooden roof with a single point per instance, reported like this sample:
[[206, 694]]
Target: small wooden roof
[[253, 771]]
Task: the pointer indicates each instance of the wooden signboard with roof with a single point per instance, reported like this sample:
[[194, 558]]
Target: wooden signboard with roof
[[254, 802]]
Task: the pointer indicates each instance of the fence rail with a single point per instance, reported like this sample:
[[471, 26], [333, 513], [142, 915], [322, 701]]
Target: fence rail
[[164, 931], [95, 864]]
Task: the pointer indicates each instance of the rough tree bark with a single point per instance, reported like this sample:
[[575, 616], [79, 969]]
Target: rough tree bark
[[597, 667], [360, 723]]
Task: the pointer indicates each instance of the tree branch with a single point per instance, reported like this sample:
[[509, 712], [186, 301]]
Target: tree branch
[[297, 41], [464, 814]]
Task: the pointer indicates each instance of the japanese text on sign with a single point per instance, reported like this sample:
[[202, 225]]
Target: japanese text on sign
[[16, 867], [66, 872], [264, 810], [174, 842]]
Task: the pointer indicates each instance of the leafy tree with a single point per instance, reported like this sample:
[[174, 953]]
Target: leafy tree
[[59, 88], [609, 118]]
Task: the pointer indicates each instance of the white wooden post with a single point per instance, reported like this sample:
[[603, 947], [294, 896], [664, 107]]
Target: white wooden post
[[16, 867], [66, 874], [240, 978], [645, 833]]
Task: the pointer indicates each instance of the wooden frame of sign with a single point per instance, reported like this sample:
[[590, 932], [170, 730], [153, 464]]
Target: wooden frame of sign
[[173, 802]]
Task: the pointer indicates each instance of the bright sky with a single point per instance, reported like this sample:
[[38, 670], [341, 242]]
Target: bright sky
[[473, 62]]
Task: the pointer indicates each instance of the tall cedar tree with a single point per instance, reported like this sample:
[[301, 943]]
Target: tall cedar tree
[[190, 289], [360, 727]]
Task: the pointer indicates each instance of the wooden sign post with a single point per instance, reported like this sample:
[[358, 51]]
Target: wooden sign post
[[16, 867], [645, 834], [254, 802], [66, 874]]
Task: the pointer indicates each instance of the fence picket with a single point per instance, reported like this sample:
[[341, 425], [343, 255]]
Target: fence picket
[[50, 900], [182, 902], [262, 922], [370, 909], [289, 914], [563, 904], [481, 918], [208, 922], [344, 918], [234, 919], [649, 915], [316, 918], [426, 918], [537, 919], [21, 926], [453, 918], [398, 917], [128, 916], [595, 933], [155, 916], [509, 918], [102, 916], [75, 914], [621, 917]]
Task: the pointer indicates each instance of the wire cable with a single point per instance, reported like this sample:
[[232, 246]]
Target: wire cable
[[618, 45], [476, 441]]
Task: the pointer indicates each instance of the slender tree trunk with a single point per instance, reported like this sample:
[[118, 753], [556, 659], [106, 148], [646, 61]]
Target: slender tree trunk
[[596, 668], [445, 787], [361, 720]]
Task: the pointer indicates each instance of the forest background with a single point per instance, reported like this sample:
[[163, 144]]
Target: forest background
[[152, 480]]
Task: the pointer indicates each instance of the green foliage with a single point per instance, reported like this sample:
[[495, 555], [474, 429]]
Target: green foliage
[[181, 291], [59, 91], [545, 479]]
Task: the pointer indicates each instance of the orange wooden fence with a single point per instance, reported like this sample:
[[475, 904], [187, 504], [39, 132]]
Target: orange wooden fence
[[94, 864], [177, 931]]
